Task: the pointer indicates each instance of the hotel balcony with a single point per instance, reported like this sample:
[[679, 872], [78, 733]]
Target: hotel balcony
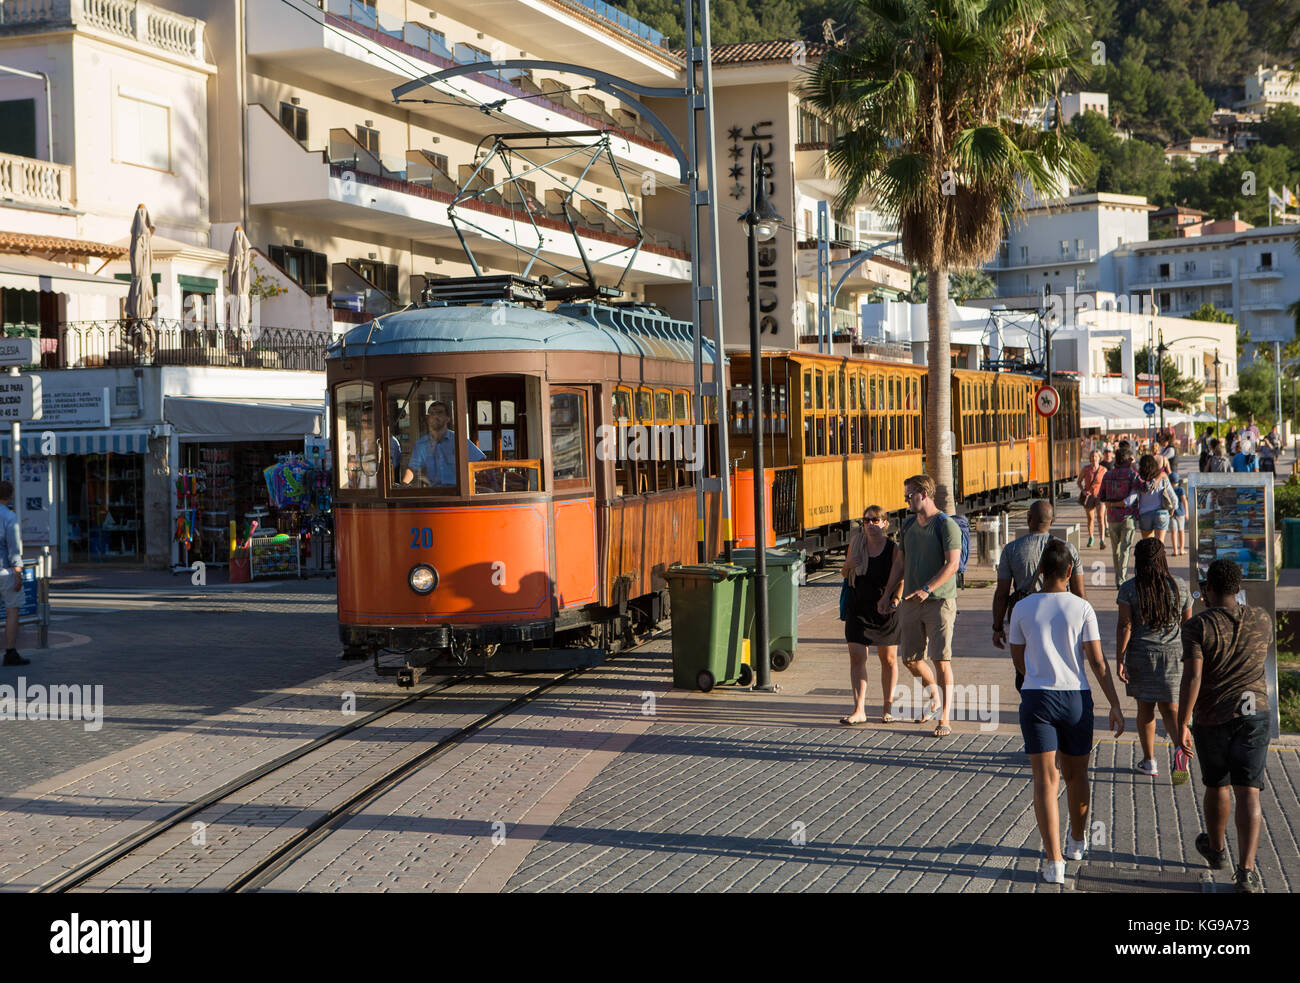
[[408, 198], [25, 181], [1181, 278], [1262, 272], [352, 48], [160, 31], [1039, 260]]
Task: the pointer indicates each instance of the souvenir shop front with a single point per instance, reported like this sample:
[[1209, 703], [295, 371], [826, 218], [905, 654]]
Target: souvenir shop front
[[83, 493], [259, 468]]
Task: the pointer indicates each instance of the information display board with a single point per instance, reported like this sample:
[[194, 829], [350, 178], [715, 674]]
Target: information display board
[[1231, 518]]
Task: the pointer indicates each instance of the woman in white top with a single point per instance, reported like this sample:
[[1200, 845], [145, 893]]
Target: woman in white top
[[1052, 634]]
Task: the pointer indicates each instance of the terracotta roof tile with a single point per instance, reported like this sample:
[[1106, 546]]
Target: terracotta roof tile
[[752, 51], [22, 242]]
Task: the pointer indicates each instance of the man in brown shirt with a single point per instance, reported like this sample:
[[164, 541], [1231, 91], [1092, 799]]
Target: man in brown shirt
[[1225, 649]]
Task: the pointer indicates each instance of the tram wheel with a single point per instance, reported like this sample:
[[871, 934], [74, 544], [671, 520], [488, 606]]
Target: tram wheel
[[705, 680]]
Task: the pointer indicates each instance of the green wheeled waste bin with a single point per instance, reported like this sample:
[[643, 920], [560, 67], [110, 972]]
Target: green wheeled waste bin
[[708, 609], [1291, 543], [783, 567]]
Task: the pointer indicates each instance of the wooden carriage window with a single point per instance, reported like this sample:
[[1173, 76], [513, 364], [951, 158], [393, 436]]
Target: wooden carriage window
[[807, 389], [663, 406], [645, 413], [624, 471], [808, 449], [821, 435], [682, 423], [831, 404], [819, 387]]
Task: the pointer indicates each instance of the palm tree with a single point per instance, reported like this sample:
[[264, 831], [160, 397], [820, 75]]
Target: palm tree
[[965, 285], [931, 103]]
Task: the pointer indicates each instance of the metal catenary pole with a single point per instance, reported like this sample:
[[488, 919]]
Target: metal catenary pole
[[760, 653], [713, 292]]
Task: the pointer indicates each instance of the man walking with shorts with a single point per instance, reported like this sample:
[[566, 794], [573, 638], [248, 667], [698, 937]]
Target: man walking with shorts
[[1224, 693], [1052, 634], [927, 564]]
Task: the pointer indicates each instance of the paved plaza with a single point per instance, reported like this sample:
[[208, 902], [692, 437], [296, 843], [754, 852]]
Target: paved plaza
[[612, 782]]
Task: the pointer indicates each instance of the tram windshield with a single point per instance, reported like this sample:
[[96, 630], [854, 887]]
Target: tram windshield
[[423, 423]]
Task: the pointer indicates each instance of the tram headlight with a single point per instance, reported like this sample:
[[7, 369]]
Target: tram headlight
[[422, 578]]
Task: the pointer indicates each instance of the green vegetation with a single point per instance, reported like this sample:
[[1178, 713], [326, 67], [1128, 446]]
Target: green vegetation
[[1177, 386], [968, 68], [963, 285], [1288, 684], [1208, 312]]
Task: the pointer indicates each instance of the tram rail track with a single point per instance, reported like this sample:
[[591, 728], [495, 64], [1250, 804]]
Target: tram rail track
[[280, 858]]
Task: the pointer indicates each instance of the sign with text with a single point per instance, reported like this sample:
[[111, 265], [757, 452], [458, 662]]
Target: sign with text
[[37, 495], [20, 398], [75, 408], [17, 351]]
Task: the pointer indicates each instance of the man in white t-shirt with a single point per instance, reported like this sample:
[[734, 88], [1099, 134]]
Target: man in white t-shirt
[[1052, 634]]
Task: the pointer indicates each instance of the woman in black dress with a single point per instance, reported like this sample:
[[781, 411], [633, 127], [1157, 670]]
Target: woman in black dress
[[871, 556]]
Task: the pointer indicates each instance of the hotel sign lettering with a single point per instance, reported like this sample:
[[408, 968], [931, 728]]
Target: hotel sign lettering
[[768, 252]]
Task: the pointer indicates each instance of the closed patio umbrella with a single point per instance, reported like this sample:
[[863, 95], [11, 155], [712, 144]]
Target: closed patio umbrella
[[239, 280], [140, 297]]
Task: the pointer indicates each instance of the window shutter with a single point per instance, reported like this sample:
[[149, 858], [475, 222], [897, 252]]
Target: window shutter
[[319, 273]]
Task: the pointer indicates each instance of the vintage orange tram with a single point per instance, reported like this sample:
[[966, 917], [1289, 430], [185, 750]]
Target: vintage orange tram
[[512, 482]]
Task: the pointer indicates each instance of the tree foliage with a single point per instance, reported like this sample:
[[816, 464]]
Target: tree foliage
[[1177, 386], [1208, 312]]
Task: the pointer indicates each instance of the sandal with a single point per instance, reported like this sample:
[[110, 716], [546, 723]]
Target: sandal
[[943, 730], [931, 714], [886, 718], [846, 722]]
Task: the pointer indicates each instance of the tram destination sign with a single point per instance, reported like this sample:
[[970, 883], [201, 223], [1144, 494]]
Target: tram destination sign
[[20, 398]]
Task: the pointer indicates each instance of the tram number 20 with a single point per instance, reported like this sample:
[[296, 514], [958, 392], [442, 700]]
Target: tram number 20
[[421, 538]]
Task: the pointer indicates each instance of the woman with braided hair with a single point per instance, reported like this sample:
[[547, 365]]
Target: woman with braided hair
[[1152, 609]]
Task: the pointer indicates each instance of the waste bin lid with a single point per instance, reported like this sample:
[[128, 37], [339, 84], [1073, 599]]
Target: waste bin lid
[[707, 571], [775, 558]]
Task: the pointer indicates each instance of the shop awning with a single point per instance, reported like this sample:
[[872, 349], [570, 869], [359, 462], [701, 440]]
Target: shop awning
[[231, 419], [1118, 412], [34, 273], [81, 442]]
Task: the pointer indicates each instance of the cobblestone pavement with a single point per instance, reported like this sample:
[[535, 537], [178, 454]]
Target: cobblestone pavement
[[165, 657], [613, 782]]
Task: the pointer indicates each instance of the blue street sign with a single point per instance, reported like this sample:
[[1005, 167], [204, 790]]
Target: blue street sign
[[1149, 409]]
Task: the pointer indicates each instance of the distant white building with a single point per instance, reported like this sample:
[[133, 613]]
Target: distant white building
[[1253, 275], [1075, 103], [1196, 149], [1270, 87], [1066, 244]]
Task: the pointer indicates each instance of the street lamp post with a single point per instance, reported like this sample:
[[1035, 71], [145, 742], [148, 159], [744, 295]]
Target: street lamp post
[[1160, 377], [761, 222], [1216, 392]]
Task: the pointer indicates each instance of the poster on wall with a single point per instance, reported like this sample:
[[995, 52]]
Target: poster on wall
[[34, 493]]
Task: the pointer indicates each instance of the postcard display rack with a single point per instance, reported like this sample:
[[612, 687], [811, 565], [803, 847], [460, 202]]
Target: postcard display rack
[[274, 556], [1232, 519]]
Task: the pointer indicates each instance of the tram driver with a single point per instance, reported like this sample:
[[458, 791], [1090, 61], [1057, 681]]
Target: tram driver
[[434, 454]]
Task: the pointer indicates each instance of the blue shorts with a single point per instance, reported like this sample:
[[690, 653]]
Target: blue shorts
[[1150, 521], [1052, 719]]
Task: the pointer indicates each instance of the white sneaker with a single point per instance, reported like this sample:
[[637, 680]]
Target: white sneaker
[[1053, 871], [1074, 849], [1149, 768]]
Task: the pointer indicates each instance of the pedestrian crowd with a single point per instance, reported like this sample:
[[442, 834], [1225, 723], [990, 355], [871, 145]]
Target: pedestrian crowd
[[1202, 674]]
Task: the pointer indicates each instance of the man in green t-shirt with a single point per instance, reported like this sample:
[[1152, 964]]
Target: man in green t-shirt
[[927, 565]]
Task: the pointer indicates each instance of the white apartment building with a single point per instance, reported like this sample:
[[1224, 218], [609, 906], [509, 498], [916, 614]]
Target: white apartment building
[[1074, 103], [1196, 149], [1066, 244], [1254, 275], [1269, 87], [345, 194], [117, 115], [756, 100]]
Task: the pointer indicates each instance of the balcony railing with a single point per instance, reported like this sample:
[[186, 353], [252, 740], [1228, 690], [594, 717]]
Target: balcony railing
[[122, 343], [660, 243], [420, 44], [132, 19], [1046, 259], [35, 182]]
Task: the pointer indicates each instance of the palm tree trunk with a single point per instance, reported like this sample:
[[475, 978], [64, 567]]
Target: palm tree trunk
[[940, 443]]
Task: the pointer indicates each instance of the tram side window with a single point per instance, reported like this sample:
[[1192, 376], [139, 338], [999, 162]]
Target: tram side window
[[682, 433], [569, 452], [358, 452], [507, 419]]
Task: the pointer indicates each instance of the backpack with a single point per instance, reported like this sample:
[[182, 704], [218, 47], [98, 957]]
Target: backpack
[[963, 527]]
